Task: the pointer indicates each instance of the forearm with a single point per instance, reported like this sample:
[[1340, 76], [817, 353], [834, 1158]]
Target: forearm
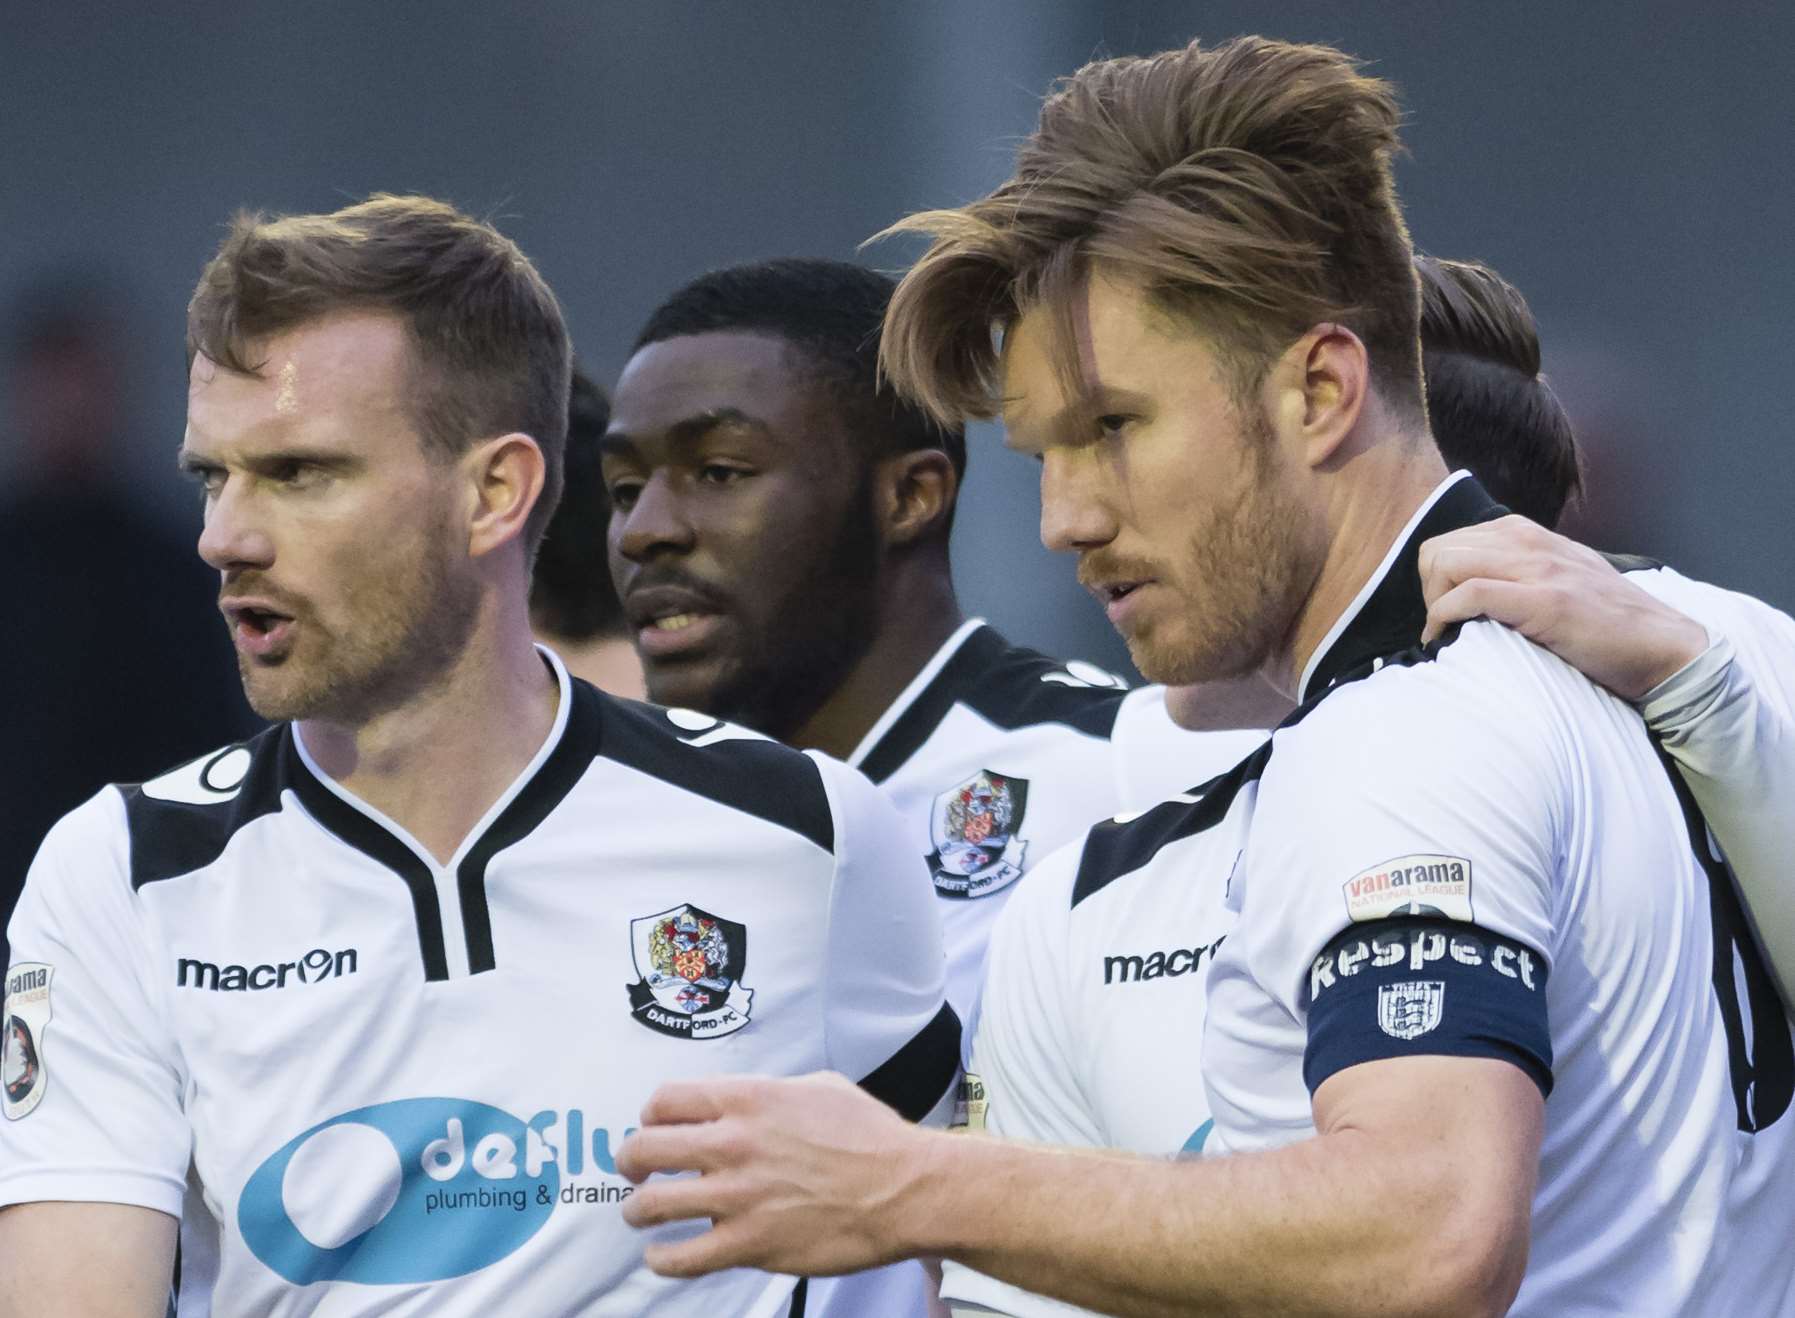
[[1737, 753], [1346, 1223]]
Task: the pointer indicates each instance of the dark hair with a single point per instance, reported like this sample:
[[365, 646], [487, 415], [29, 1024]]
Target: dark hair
[[1490, 408], [832, 312], [1247, 190], [571, 595], [491, 352]]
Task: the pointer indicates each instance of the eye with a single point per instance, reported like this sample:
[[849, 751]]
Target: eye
[[623, 494], [1113, 424], [716, 473], [292, 471], [209, 480]]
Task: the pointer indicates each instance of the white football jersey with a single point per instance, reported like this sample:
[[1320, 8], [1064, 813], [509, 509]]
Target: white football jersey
[[1441, 852], [366, 1082], [995, 755]]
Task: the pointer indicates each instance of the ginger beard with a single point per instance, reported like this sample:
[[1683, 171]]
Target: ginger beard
[[399, 622], [1239, 582]]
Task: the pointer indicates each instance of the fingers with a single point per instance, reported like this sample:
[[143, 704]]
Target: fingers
[[681, 1200], [682, 1101], [1519, 605], [725, 1246], [702, 1148]]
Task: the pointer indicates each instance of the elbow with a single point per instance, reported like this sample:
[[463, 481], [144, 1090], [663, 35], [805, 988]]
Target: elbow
[[1475, 1264]]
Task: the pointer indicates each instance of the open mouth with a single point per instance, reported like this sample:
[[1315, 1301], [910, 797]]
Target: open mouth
[[258, 630]]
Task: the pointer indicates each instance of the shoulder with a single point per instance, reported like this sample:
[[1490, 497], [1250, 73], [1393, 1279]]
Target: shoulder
[[1015, 687], [721, 762], [1130, 844], [184, 819]]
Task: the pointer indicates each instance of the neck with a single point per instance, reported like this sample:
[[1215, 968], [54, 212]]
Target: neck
[[918, 612], [486, 717], [1373, 494]]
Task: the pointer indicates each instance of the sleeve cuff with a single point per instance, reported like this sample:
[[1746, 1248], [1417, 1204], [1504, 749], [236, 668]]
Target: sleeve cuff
[[1681, 699], [133, 1189]]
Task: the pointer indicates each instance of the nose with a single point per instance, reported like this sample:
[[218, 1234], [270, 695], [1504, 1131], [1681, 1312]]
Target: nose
[[231, 540], [656, 523], [1074, 517]]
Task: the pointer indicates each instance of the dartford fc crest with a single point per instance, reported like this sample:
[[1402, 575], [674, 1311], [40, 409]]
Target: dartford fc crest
[[23, 1021], [691, 964], [1410, 1010], [974, 829]]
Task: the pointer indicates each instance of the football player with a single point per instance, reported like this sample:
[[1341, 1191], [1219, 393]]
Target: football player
[[1458, 880]]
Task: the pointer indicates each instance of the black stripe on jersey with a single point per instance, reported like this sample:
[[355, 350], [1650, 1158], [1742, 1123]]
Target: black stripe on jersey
[[374, 841], [800, 1295], [1002, 683], [565, 766], [762, 778], [1115, 848], [914, 1078], [1631, 562], [172, 838], [1391, 620], [1760, 1052]]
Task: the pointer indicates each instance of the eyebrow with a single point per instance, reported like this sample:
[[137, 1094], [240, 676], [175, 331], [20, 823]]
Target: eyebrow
[[1102, 400], [685, 432], [193, 463]]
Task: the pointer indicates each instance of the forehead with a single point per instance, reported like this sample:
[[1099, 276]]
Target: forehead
[[760, 375], [1115, 340], [351, 366]]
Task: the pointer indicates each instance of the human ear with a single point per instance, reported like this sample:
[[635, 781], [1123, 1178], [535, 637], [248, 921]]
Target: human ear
[[1324, 378], [505, 479], [916, 494]]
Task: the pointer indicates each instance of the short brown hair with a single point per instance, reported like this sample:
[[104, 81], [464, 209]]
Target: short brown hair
[[1247, 188], [490, 347]]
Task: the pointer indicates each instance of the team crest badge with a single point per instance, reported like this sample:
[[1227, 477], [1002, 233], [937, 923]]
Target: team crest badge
[[974, 830], [23, 1021], [1410, 1010], [691, 964]]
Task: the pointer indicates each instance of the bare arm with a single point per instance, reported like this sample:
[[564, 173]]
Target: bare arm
[[96, 1260], [810, 1176]]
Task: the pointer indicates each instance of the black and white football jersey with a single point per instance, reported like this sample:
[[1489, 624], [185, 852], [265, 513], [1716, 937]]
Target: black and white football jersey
[[1467, 850], [369, 1082]]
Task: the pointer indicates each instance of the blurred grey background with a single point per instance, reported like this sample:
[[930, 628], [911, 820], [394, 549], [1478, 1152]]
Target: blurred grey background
[[1626, 164]]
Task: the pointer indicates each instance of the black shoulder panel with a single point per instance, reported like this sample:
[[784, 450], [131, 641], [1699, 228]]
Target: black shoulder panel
[[171, 838], [1115, 849], [1631, 562], [1011, 686], [761, 778]]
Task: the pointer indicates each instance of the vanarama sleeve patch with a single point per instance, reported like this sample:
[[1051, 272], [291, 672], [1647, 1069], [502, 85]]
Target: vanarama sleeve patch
[[23, 1022], [1413, 987]]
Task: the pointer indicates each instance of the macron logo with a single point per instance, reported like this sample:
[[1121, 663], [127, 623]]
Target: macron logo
[[317, 964]]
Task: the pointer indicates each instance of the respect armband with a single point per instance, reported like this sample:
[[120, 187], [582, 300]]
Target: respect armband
[[1418, 987]]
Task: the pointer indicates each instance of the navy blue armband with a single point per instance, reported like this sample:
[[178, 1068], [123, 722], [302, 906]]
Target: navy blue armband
[[1420, 987]]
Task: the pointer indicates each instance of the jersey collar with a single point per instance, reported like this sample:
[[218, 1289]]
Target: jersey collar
[[562, 760], [1389, 612], [909, 720]]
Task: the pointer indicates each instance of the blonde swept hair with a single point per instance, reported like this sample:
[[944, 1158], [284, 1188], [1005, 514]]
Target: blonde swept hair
[[1247, 189]]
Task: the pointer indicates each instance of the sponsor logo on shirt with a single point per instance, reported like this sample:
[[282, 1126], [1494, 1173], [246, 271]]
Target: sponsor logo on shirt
[[1411, 1009], [690, 964], [420, 1190], [974, 828], [1157, 965], [1411, 885], [970, 1104], [1418, 949], [23, 1020], [314, 967]]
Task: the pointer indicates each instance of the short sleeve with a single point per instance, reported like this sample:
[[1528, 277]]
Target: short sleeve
[[887, 1023], [93, 1100], [1403, 868]]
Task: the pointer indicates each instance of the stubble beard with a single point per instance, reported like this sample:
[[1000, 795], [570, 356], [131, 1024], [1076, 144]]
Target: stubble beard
[[403, 632], [1243, 568]]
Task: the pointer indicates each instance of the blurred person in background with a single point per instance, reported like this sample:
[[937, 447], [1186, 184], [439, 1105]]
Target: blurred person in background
[[110, 655], [574, 608]]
